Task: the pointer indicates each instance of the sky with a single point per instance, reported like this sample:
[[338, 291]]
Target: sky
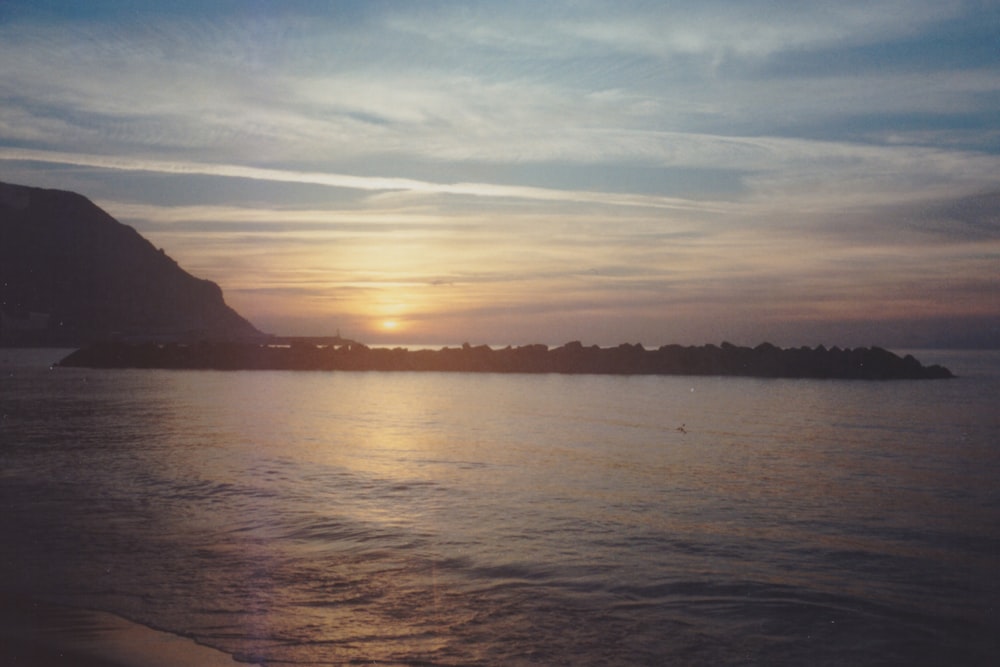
[[422, 173]]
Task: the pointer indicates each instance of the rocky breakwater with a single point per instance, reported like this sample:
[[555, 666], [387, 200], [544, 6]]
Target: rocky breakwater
[[765, 360]]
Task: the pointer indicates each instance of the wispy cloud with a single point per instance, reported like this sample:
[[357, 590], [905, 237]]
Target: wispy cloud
[[349, 181]]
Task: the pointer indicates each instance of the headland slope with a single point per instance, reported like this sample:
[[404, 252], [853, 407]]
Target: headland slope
[[70, 274]]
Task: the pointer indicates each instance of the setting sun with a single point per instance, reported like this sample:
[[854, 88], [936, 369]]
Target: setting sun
[[390, 325]]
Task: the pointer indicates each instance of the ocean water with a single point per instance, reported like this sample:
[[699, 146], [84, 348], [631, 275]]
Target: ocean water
[[327, 518]]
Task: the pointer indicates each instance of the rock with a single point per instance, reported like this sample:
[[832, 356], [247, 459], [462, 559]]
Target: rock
[[70, 273], [763, 361]]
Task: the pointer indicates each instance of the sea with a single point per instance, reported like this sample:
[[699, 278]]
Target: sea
[[404, 518]]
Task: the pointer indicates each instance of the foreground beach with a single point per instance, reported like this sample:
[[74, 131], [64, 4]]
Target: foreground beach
[[38, 634]]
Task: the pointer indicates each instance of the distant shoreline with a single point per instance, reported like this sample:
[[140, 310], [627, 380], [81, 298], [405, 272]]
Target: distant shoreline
[[765, 360]]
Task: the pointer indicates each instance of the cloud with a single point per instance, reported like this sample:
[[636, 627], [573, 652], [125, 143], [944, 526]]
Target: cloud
[[355, 182], [284, 88], [442, 85], [772, 27], [667, 30]]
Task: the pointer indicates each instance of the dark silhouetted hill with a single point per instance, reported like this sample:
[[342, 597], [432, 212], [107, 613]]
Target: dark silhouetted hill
[[70, 274]]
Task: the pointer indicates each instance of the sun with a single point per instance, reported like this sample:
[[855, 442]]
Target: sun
[[390, 325]]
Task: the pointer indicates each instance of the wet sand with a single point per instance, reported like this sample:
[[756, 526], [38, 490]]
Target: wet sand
[[37, 634]]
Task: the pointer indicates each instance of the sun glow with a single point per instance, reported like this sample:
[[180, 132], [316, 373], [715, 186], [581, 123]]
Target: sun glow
[[390, 325]]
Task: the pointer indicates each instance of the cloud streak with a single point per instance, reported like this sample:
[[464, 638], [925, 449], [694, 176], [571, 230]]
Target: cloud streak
[[366, 183]]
